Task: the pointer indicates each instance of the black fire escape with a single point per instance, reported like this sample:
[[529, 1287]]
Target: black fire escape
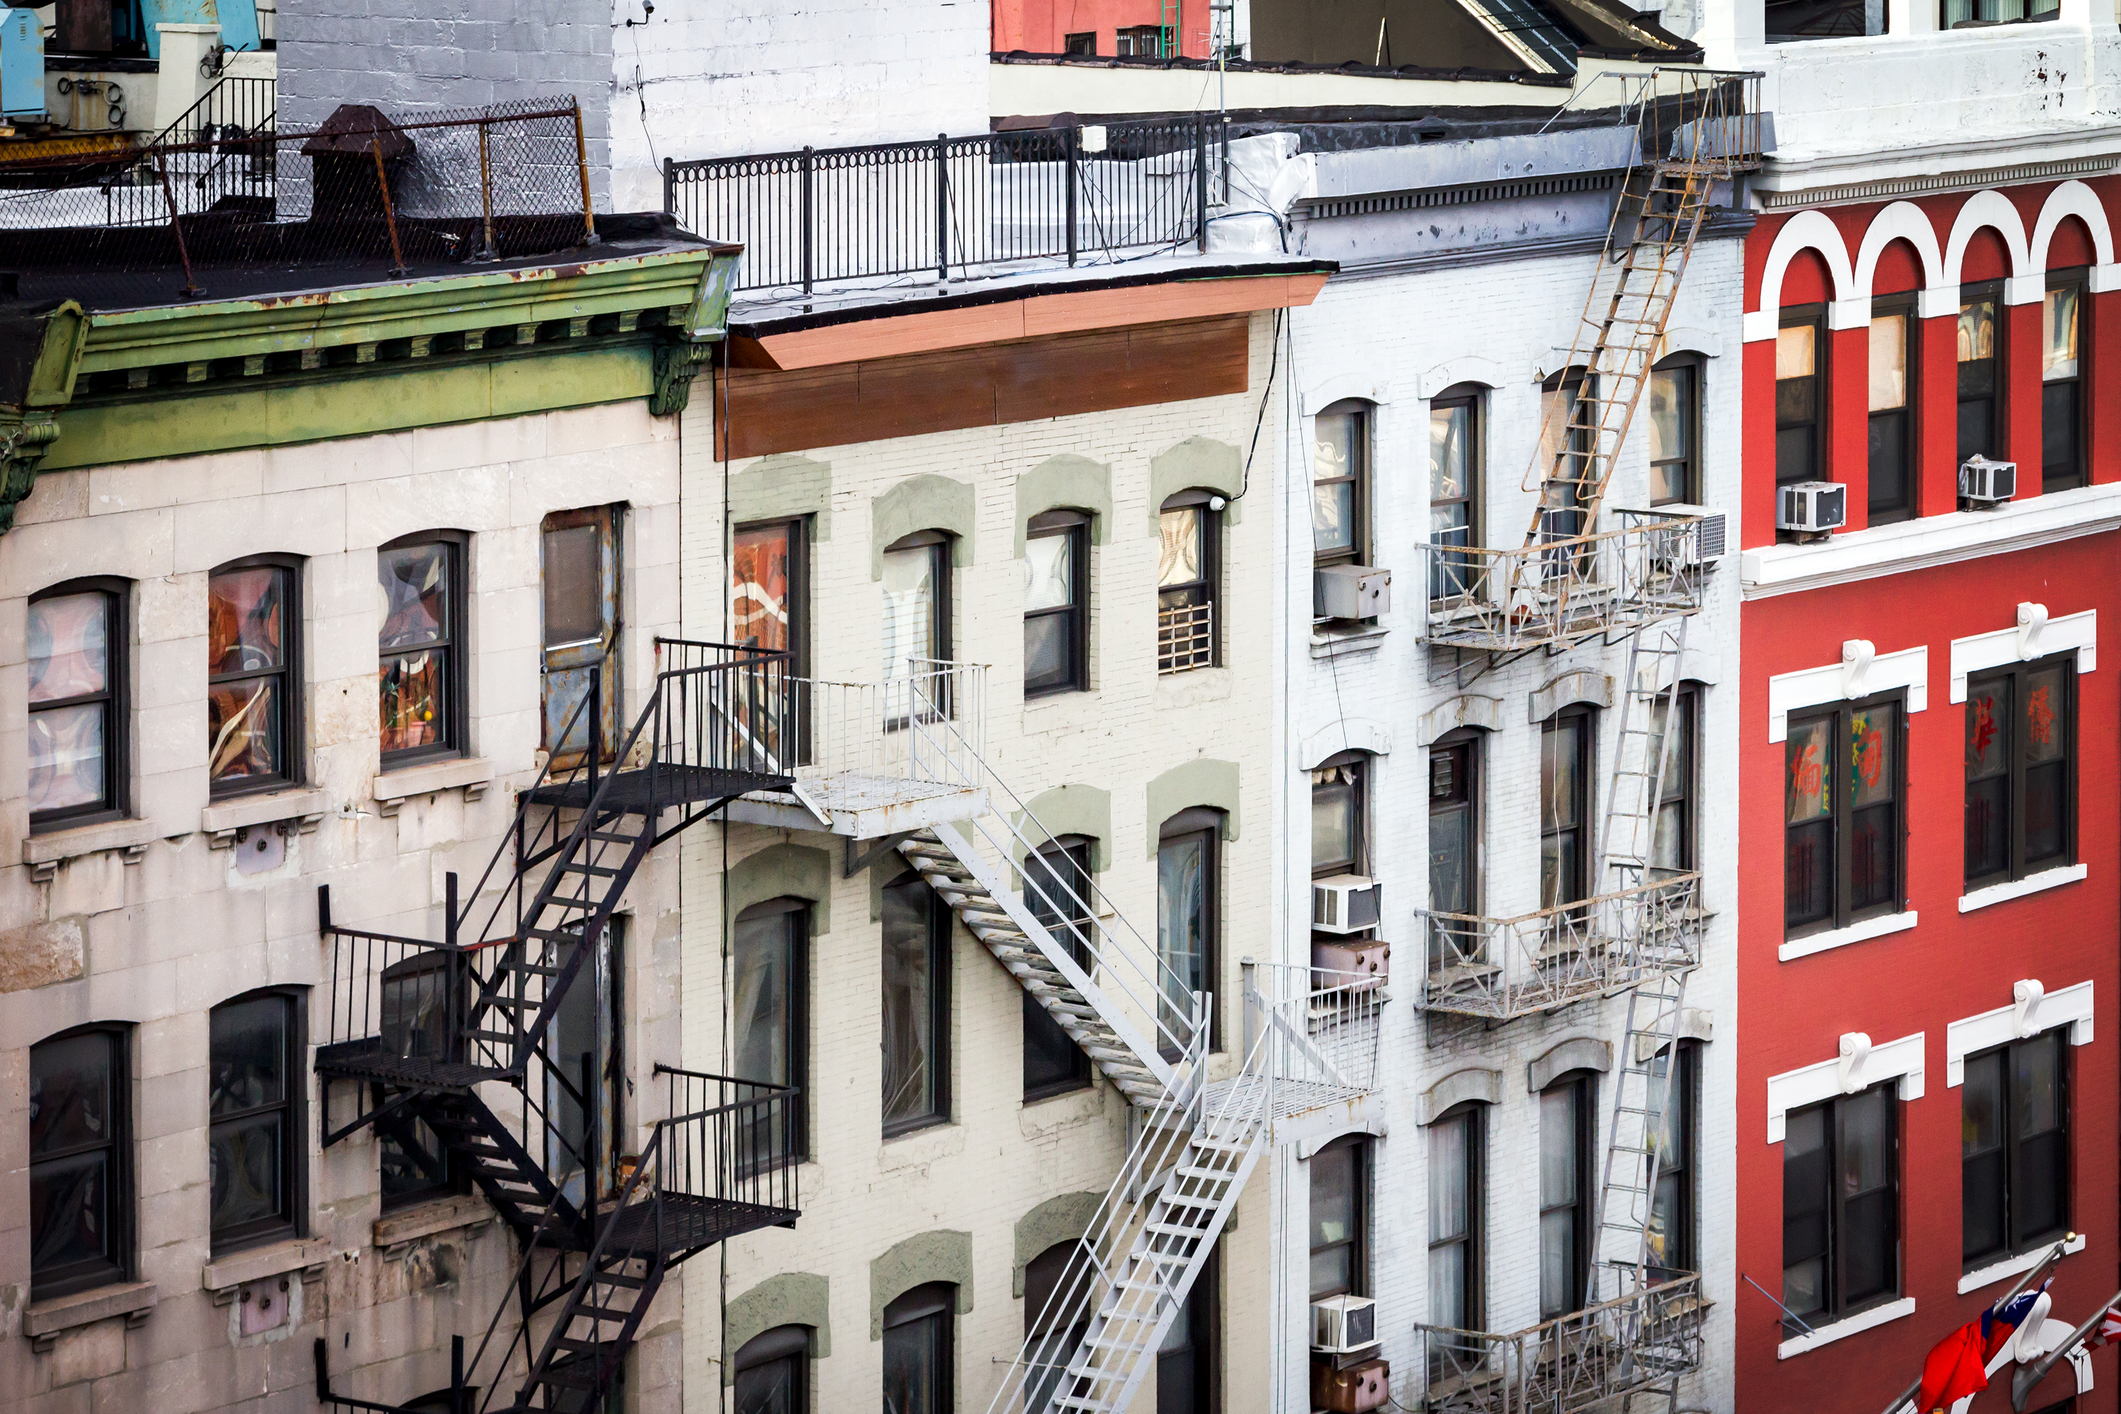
[[451, 1049]]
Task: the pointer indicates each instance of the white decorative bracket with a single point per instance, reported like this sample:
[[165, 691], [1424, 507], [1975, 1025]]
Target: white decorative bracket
[[1855, 1050], [2033, 1009], [1856, 656], [1862, 672], [2032, 618], [1859, 1064], [2035, 635]]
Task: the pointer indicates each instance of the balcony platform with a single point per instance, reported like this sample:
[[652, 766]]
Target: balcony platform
[[367, 1060], [663, 786], [689, 1223], [862, 807]]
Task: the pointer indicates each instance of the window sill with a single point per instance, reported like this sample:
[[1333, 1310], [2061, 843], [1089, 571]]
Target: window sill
[[396, 786], [1853, 1325], [224, 1275], [222, 819], [45, 853], [42, 1321], [395, 1233], [1328, 641], [2012, 1266], [2018, 888], [1841, 937]]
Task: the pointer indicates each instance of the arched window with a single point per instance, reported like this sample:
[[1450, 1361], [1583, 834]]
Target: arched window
[[255, 1086], [769, 1013], [420, 647], [1566, 1191], [919, 1375], [916, 1006], [1188, 923], [1675, 431], [1800, 394], [773, 1372], [1565, 790], [1058, 891], [1457, 471], [1340, 1218], [1340, 484], [1188, 581], [916, 601], [1057, 603], [1059, 1296], [254, 675], [78, 647], [1457, 1218]]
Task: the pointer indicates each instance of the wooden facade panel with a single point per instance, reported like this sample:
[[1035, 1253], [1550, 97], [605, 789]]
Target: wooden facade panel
[[802, 410]]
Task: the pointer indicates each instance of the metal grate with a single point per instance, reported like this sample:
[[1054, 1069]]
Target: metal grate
[[1185, 637]]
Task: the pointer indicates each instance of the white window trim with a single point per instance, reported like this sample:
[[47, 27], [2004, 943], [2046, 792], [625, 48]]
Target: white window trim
[[2009, 889], [2033, 1009], [1879, 927], [2012, 1266], [1862, 672], [1859, 1066], [1841, 1330], [2036, 636]]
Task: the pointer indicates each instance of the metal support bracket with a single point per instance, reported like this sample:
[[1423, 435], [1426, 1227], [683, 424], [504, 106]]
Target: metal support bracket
[[858, 859]]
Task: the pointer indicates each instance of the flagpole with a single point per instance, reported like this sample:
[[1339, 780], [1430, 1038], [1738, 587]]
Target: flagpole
[[2054, 1254], [2028, 1377]]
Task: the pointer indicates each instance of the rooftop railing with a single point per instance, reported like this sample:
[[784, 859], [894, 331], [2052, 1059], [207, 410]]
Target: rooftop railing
[[951, 204], [1504, 968], [1568, 1365]]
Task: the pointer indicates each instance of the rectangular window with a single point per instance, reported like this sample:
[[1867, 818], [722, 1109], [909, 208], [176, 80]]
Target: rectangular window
[[1057, 891], [773, 1372], [1186, 922], [918, 1374], [1454, 492], [1891, 416], [1057, 604], [916, 1006], [1454, 826], [2062, 385], [1980, 353], [1457, 1178], [1337, 810], [2020, 783], [80, 1162], [253, 683], [254, 1079], [1675, 1233], [1564, 1196], [1085, 43], [916, 602], [1340, 475], [1822, 19], [768, 589], [77, 713], [420, 648], [1968, 13], [1564, 807], [1841, 1206], [1676, 840], [1340, 1218], [580, 575], [769, 1013], [1675, 434], [1146, 41], [2014, 1147], [1800, 402], [1568, 418], [1844, 826], [1187, 573]]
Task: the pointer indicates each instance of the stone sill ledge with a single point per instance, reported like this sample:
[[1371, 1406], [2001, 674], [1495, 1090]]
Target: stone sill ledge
[[42, 1321], [46, 852], [2038, 883], [223, 818], [2012, 1266], [395, 1233], [1842, 1329], [301, 1254], [1344, 642], [394, 787]]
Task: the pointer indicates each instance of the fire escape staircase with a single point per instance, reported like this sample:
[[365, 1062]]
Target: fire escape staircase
[[1638, 1332], [452, 1042]]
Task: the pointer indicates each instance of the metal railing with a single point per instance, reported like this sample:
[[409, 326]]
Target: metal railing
[[953, 203], [848, 734], [1570, 1364], [1185, 637], [1503, 968], [728, 1140], [1313, 1027], [1565, 588]]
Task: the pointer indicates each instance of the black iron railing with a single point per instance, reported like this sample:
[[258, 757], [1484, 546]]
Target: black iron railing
[[954, 203]]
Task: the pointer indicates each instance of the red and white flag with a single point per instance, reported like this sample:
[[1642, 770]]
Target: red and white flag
[[2109, 1328]]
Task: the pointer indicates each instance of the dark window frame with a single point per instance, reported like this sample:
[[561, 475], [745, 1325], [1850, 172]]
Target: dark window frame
[[1361, 764], [1887, 511], [1841, 812], [117, 699], [796, 1044], [1079, 1074], [293, 676], [1450, 576], [1684, 764], [1468, 783], [1358, 478], [792, 1345], [1997, 398], [1814, 427], [1206, 823], [1577, 387], [1475, 1113], [932, 1305], [941, 546], [1838, 1244], [1363, 1165], [1580, 719], [609, 524], [1075, 525], [939, 1038], [1946, 22], [797, 530], [124, 1218], [2016, 1242], [2076, 471], [293, 1221], [1205, 590], [2017, 674], [1584, 1205], [1683, 1085], [456, 657], [1689, 459], [1202, 1315], [1084, 43], [1833, 23]]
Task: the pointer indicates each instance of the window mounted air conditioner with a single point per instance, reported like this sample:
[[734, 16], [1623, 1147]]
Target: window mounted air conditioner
[[1342, 1325], [1366, 960], [1345, 903], [1706, 543], [1985, 485], [1350, 592], [1811, 508]]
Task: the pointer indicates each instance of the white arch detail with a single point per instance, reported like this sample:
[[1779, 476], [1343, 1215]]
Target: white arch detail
[[1993, 209], [1470, 368], [1691, 339], [2076, 199], [1335, 387], [1902, 221], [1807, 230], [1347, 734]]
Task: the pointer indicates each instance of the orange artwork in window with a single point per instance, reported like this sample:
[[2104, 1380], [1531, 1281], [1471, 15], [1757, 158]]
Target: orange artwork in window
[[1870, 755], [1808, 772], [1984, 724], [2040, 715]]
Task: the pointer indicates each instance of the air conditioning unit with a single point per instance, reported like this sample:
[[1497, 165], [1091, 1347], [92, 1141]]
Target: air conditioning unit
[[1345, 903], [1350, 592], [1811, 507], [1706, 543], [1367, 961], [1985, 485], [1342, 1325]]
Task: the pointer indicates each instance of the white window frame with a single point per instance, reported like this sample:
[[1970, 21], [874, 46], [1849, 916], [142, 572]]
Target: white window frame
[[2036, 636], [1859, 1066], [1862, 672], [2033, 1009]]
